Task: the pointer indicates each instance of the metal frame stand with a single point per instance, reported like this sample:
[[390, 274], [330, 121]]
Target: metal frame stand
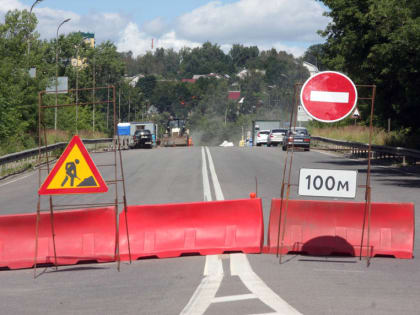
[[116, 146], [286, 185]]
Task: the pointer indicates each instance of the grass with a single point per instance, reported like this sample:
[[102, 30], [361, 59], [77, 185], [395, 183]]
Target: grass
[[359, 134], [54, 136]]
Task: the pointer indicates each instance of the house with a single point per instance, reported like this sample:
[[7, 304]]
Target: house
[[234, 95], [133, 80], [188, 80], [245, 72]]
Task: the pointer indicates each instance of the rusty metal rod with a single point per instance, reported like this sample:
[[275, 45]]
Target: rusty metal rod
[[73, 104], [74, 90], [38, 214], [295, 105], [369, 195], [86, 204], [124, 197]]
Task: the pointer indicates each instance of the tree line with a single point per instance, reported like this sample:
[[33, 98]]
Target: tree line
[[377, 42]]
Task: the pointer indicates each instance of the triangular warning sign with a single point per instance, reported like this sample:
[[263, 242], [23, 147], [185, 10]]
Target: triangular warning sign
[[356, 113], [74, 173]]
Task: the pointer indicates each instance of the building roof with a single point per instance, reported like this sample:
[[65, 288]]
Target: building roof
[[234, 95], [188, 80]]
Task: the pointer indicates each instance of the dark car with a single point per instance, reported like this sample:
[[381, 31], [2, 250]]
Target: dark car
[[298, 138], [143, 139]]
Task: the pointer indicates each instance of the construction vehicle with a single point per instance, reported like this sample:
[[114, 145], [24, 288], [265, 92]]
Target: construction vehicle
[[176, 134]]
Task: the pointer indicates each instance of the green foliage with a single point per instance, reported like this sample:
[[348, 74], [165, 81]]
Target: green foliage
[[208, 58], [244, 57], [378, 42], [147, 85], [18, 92]]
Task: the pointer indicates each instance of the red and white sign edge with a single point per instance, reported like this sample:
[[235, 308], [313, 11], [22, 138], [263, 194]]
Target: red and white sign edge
[[322, 120]]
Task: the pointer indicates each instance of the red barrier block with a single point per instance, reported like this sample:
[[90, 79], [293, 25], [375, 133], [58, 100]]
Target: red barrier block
[[205, 228], [318, 227], [80, 235]]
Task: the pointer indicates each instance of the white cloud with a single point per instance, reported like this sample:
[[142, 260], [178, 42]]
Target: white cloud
[[6, 5], [104, 25], [140, 42], [254, 20], [288, 25], [156, 27]]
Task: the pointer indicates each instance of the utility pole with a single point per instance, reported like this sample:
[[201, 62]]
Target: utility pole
[[119, 104], [77, 87], [30, 12], [93, 93], [56, 74], [129, 100], [107, 105]]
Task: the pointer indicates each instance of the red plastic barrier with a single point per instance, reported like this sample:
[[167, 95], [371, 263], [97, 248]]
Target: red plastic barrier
[[332, 227], [80, 235], [170, 230]]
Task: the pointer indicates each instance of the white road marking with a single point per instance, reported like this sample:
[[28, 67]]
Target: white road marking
[[207, 289], [213, 273], [206, 184], [239, 266], [213, 268], [234, 298], [338, 270], [330, 97], [15, 180], [216, 184]]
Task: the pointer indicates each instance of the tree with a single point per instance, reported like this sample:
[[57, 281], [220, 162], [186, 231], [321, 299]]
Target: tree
[[18, 91], [243, 57], [378, 42], [204, 60], [147, 85]]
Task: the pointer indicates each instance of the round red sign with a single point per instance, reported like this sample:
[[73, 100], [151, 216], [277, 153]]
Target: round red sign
[[328, 96]]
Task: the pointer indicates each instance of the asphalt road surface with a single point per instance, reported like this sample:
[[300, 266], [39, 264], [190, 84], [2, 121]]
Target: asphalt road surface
[[216, 284]]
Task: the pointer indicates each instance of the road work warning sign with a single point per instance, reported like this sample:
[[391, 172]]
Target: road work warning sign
[[74, 173]]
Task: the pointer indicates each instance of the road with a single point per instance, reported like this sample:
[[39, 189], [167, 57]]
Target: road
[[217, 284]]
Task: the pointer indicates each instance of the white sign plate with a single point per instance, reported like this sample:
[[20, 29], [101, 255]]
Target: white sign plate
[[302, 115], [327, 183]]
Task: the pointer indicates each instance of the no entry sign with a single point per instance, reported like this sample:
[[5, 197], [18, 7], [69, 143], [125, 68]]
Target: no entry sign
[[328, 96]]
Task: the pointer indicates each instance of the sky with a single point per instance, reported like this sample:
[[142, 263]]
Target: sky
[[289, 25]]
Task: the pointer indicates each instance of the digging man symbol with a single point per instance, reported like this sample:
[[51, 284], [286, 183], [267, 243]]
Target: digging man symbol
[[70, 173]]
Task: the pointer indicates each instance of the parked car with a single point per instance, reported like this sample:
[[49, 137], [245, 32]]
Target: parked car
[[298, 138], [143, 138], [275, 137], [262, 137]]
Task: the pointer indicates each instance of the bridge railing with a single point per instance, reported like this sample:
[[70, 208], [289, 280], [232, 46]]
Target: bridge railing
[[19, 161], [357, 149]]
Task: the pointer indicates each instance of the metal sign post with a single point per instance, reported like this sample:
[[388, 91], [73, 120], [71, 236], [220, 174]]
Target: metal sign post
[[327, 97], [92, 180]]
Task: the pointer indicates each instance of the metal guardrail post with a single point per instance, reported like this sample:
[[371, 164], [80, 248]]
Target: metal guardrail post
[[9, 161], [360, 150]]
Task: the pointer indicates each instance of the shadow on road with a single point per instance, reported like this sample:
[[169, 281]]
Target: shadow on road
[[387, 175]]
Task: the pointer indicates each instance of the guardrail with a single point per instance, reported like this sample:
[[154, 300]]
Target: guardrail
[[16, 162], [357, 149]]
